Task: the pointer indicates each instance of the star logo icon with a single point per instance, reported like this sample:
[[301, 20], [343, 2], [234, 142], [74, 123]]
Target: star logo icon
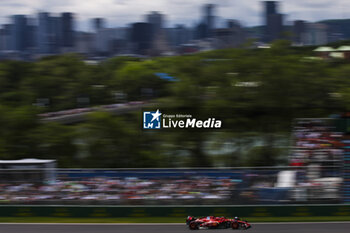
[[156, 115], [151, 120]]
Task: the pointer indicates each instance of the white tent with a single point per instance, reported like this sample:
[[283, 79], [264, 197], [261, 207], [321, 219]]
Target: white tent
[[45, 169], [27, 161], [286, 179]]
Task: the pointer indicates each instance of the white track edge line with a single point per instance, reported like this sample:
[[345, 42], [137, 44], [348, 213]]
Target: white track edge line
[[164, 224]]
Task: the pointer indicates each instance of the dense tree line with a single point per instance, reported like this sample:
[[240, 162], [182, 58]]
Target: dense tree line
[[257, 94]]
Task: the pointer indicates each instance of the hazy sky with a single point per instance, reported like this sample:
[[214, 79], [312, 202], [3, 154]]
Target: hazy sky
[[122, 12]]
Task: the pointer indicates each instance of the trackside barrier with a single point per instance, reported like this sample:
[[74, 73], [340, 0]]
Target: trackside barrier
[[173, 211]]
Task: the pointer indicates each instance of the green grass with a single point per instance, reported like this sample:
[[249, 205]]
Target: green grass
[[159, 219], [299, 219]]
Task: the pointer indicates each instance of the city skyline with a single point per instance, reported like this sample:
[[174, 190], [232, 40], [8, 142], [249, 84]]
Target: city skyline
[[119, 13]]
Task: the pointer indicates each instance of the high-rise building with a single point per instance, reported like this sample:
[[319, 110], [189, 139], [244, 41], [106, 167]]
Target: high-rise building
[[299, 30], [109, 41], [156, 19], [206, 27], [179, 35], [142, 37], [49, 33], [315, 34], [32, 29], [159, 39], [55, 33], [19, 32], [230, 37], [6, 37], [270, 7], [2, 39], [84, 43], [209, 19], [273, 22], [43, 32], [201, 31], [98, 23], [67, 29]]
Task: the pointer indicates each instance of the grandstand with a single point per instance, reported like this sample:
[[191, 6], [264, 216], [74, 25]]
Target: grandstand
[[321, 146], [263, 185]]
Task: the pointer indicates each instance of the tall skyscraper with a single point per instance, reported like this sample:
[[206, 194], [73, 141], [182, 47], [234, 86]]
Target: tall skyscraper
[[209, 19], [49, 33], [19, 34], [32, 34], [156, 19], [43, 32], [2, 39], [273, 21], [159, 40], [5, 37], [270, 7], [55, 33], [98, 23], [67, 29], [142, 37], [206, 27], [8, 36]]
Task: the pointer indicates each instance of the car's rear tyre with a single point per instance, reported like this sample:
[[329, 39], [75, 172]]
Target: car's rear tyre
[[193, 226], [235, 225]]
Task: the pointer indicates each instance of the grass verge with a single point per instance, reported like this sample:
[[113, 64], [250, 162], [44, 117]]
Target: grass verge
[[160, 219]]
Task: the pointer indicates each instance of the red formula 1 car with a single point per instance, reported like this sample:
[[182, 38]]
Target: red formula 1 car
[[212, 222]]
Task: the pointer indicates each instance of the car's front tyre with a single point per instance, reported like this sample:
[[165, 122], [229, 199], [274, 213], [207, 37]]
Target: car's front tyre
[[193, 226]]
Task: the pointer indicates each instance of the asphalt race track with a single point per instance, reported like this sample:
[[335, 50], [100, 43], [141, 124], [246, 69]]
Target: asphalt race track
[[170, 228]]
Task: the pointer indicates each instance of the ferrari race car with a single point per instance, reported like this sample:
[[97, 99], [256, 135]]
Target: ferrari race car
[[212, 222]]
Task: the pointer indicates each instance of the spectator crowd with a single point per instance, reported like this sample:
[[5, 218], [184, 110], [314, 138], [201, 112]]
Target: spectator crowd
[[316, 142], [122, 191]]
